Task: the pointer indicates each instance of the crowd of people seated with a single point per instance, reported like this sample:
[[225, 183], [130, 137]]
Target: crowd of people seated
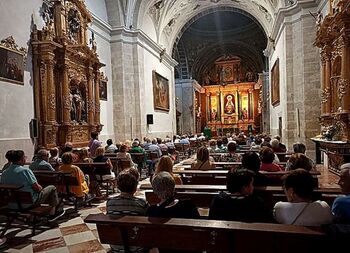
[[238, 203]]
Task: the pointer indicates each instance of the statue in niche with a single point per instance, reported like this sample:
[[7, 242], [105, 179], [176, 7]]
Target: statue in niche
[[93, 42], [250, 76], [72, 107], [229, 105], [73, 23], [206, 79], [244, 114], [77, 106], [213, 115]]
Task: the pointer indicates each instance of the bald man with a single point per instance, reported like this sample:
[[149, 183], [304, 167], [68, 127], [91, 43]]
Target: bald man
[[341, 205]]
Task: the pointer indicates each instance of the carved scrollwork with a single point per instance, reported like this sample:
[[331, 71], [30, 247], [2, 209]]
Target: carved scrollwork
[[75, 74], [52, 101], [90, 106], [74, 24], [67, 102], [48, 17], [10, 43], [342, 87], [79, 135], [325, 95], [51, 134]]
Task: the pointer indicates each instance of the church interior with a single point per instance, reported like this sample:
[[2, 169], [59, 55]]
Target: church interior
[[179, 75]]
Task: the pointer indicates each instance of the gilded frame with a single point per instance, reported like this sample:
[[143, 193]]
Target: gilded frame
[[275, 84], [160, 92], [12, 61]]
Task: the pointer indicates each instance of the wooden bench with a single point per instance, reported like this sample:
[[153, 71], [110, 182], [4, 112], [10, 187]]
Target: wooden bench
[[271, 195], [63, 181], [219, 176], [96, 171], [187, 164], [17, 205], [207, 235], [216, 188]]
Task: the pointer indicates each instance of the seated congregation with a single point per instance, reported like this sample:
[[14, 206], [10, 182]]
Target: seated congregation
[[246, 166]]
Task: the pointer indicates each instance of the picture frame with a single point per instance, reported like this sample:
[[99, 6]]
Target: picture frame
[[160, 92], [103, 87], [275, 84], [12, 59]]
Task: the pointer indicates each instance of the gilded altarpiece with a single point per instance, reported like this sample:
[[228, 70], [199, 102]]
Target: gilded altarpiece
[[333, 39], [66, 75], [233, 103]]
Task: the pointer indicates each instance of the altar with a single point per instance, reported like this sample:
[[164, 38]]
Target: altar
[[334, 140], [232, 108]]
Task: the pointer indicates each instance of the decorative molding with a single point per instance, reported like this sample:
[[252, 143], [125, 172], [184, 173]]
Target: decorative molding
[[121, 34], [325, 94], [11, 44], [342, 87]]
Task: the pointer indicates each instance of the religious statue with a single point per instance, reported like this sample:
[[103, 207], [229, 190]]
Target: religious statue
[[77, 105], [229, 106], [244, 114], [206, 79], [93, 42], [319, 18], [73, 23], [213, 115]]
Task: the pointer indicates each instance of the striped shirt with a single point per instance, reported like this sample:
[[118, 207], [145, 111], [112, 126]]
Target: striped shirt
[[126, 204]]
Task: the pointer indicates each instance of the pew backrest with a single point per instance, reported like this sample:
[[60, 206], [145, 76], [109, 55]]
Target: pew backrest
[[206, 235]]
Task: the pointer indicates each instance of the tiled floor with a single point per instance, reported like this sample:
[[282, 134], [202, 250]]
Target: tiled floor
[[74, 235]]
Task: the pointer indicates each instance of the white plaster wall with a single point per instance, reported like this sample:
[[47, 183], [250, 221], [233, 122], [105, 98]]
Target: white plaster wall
[[277, 110], [148, 28], [16, 101], [97, 7], [102, 38], [164, 122]]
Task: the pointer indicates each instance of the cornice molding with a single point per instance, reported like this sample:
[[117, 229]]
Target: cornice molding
[[121, 34], [100, 23], [283, 14]]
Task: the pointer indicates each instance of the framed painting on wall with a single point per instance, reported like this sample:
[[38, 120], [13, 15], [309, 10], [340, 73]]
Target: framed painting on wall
[[275, 84], [160, 92], [11, 61]]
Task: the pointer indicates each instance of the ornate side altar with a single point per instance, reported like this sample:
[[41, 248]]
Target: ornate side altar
[[66, 75], [333, 39]]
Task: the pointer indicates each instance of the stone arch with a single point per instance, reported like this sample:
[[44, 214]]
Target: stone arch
[[236, 48], [209, 11]]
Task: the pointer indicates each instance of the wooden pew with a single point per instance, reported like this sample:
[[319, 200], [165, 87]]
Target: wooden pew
[[187, 164], [63, 181], [22, 208], [270, 196], [211, 188], [207, 235], [219, 176], [96, 170]]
